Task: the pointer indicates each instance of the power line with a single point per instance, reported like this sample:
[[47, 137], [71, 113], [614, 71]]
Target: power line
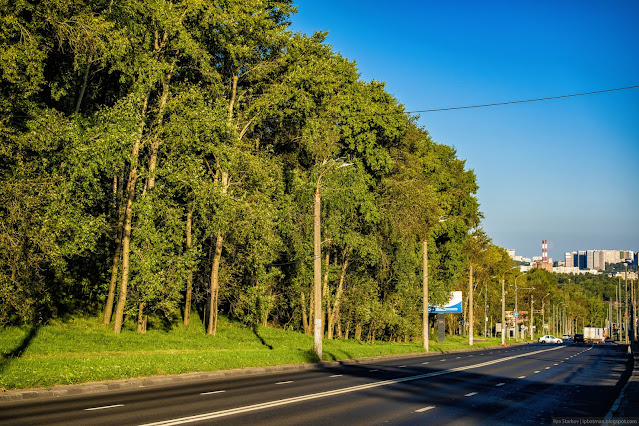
[[522, 101]]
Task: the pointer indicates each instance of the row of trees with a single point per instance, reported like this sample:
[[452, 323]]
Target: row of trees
[[161, 156]]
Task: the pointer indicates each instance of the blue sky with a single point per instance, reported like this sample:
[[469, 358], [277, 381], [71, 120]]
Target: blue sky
[[564, 170]]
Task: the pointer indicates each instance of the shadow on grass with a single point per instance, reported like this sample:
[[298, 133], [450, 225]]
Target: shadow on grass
[[256, 332], [17, 352]]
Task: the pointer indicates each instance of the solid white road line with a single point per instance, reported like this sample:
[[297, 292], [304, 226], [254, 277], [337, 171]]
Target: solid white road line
[[309, 397], [421, 410], [104, 408], [212, 392]]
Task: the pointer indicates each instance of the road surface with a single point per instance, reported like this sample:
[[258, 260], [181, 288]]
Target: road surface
[[525, 384]]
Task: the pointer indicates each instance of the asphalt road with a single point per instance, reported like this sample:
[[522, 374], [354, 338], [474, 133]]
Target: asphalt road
[[532, 383]]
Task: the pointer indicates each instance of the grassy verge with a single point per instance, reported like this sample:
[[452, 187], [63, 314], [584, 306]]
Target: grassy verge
[[82, 350]]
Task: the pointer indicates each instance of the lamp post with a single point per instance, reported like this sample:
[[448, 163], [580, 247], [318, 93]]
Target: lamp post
[[317, 259], [503, 306], [516, 311], [530, 319], [543, 313], [471, 317], [425, 288], [625, 278]]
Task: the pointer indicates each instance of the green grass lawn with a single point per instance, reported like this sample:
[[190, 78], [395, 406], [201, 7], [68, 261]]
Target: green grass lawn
[[82, 350]]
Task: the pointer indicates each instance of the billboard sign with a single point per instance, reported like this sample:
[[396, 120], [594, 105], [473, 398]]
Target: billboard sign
[[454, 305]]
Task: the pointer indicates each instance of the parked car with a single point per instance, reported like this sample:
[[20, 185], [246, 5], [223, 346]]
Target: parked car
[[550, 339], [579, 338], [566, 337]]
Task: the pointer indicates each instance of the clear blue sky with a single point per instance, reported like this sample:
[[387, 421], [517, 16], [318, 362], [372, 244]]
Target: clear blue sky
[[563, 170]]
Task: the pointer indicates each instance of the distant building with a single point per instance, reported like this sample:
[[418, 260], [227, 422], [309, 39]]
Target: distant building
[[582, 260], [542, 265], [567, 270], [569, 261]]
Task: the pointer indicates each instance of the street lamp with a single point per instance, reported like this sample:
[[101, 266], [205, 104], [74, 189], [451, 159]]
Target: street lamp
[[543, 313], [503, 306], [516, 313], [470, 302], [425, 282], [317, 258]]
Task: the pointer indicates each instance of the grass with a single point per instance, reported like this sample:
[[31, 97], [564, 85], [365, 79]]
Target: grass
[[82, 350]]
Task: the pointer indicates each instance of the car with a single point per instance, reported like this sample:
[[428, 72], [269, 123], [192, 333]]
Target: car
[[549, 339], [579, 338], [566, 337]]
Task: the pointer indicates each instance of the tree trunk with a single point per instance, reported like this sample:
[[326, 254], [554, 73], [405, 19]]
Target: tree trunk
[[305, 324], [189, 278], [85, 79], [141, 318], [215, 269], [334, 313], [108, 309], [358, 331], [215, 285], [126, 235]]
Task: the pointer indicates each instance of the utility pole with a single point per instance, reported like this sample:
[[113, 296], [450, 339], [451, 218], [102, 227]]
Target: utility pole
[[503, 311], [626, 301], [470, 306], [532, 313]]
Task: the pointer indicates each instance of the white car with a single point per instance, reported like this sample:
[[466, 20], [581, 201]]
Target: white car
[[550, 339]]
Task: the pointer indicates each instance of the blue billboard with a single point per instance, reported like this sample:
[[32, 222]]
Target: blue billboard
[[454, 305]]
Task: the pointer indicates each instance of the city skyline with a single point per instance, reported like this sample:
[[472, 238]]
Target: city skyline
[[562, 170]]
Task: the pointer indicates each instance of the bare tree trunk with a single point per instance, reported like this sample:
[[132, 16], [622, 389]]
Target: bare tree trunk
[[189, 278], [334, 313], [108, 309], [141, 318], [305, 324], [215, 285], [358, 331], [126, 235], [85, 79]]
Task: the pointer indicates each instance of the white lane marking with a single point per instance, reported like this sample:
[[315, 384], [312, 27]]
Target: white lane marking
[[556, 364], [471, 394], [547, 368], [424, 363], [212, 392], [537, 371], [104, 407], [283, 383], [286, 401], [401, 366], [442, 360], [336, 375], [421, 410], [457, 357], [521, 377], [499, 384], [370, 371]]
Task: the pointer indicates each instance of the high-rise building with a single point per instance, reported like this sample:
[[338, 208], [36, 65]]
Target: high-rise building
[[590, 259], [569, 260], [582, 259], [599, 260]]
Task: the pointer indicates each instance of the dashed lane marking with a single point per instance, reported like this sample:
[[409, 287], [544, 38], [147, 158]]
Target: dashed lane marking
[[284, 383], [104, 407], [471, 394], [212, 392], [421, 410]]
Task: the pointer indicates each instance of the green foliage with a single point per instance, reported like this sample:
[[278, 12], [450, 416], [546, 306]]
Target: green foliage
[[215, 109]]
